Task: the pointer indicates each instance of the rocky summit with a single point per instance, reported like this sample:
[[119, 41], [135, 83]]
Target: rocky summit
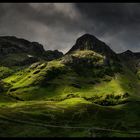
[[90, 42]]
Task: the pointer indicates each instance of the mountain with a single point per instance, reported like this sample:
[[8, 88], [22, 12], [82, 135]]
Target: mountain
[[88, 63], [11, 44], [89, 91], [19, 52], [131, 59], [51, 55], [127, 55], [90, 42]]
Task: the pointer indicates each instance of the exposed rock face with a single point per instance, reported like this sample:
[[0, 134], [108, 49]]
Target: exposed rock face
[[89, 42], [86, 58]]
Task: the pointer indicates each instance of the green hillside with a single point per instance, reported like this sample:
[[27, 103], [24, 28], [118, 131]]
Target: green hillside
[[85, 93]]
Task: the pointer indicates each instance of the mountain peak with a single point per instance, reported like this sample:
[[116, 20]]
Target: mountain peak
[[128, 52], [90, 42], [88, 36]]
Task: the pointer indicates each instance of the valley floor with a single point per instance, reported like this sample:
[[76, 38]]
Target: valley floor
[[74, 117]]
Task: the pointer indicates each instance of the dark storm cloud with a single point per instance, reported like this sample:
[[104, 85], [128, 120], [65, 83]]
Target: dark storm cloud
[[116, 24], [58, 25]]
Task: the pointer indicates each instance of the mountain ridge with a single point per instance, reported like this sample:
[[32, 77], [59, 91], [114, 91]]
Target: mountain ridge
[[23, 52]]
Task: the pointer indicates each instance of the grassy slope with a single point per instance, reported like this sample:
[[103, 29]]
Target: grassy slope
[[26, 83], [5, 72], [12, 59], [73, 111]]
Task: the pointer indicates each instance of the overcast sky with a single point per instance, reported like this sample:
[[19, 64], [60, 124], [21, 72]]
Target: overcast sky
[[58, 25]]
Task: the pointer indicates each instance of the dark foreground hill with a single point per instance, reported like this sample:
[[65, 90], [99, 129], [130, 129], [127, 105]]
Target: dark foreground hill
[[91, 91]]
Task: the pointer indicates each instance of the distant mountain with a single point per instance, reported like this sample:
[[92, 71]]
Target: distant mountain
[[19, 52], [131, 59], [129, 55], [51, 55], [11, 44]]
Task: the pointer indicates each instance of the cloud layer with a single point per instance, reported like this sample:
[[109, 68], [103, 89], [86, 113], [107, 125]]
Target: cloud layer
[[58, 25]]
